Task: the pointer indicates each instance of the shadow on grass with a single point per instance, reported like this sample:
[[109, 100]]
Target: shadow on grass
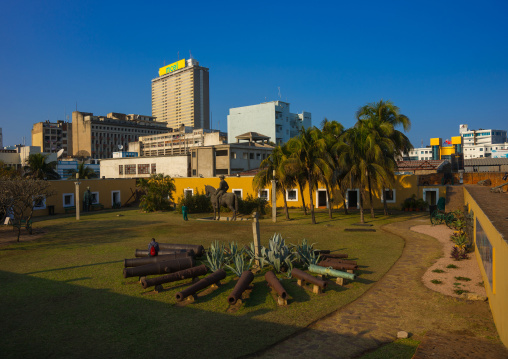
[[71, 321], [74, 267]]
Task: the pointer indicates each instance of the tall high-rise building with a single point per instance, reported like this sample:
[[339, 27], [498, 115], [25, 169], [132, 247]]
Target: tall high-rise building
[[181, 96], [1, 140]]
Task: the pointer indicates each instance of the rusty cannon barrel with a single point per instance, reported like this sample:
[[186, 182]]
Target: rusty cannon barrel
[[171, 266], [297, 273], [331, 272], [173, 277], [197, 248], [275, 283], [332, 255], [202, 284], [136, 262], [337, 265], [145, 252], [241, 285]]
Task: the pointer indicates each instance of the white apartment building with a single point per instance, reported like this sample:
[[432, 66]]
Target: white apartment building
[[419, 154], [483, 143], [179, 142], [272, 119]]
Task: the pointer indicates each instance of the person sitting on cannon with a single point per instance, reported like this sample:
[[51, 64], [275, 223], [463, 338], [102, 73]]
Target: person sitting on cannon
[[223, 188], [153, 248]]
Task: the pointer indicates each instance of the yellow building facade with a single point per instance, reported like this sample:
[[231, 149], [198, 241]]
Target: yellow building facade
[[491, 251]]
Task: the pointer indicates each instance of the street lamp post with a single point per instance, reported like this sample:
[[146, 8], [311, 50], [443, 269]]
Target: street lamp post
[[274, 198], [77, 197]]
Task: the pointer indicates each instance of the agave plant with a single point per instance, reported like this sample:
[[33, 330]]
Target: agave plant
[[278, 254], [215, 256], [240, 264], [232, 251], [306, 254]]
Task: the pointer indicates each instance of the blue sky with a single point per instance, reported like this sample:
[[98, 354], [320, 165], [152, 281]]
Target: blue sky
[[443, 63]]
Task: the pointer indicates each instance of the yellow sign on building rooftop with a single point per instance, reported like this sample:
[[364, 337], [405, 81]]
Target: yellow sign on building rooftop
[[172, 67]]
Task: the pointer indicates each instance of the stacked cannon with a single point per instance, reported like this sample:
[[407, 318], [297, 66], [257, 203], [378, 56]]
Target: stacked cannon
[[176, 262]]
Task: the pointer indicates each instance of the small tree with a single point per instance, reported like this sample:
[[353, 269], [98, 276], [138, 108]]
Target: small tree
[[158, 192], [19, 196]]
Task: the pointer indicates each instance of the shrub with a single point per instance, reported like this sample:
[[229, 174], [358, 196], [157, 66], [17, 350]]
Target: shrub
[[252, 204], [197, 203], [158, 191]]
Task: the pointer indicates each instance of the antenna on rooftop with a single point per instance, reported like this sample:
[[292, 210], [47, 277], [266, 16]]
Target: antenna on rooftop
[[279, 92], [190, 54]]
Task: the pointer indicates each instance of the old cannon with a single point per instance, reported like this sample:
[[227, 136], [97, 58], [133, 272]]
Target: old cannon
[[173, 265], [136, 262], [198, 249], [305, 277], [192, 272], [331, 272], [241, 285], [202, 284], [337, 265], [333, 255], [274, 282], [145, 252]]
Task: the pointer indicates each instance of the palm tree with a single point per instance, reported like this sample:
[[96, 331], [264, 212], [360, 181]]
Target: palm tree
[[309, 156], [332, 132], [276, 163], [363, 158], [381, 119], [40, 169], [84, 172]]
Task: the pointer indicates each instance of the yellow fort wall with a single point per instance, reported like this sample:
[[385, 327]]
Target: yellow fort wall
[[498, 291], [405, 186], [103, 187]]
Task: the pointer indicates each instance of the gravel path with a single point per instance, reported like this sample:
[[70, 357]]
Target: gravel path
[[466, 268], [400, 301]]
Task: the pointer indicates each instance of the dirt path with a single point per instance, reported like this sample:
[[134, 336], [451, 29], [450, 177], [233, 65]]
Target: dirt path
[[400, 301]]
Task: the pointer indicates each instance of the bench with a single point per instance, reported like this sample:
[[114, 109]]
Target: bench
[[70, 209], [96, 206]]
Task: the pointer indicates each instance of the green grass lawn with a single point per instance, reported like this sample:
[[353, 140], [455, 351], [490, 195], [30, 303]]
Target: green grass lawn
[[64, 294]]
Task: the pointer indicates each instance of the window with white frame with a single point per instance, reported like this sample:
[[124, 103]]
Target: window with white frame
[[68, 199], [188, 192], [39, 202], [238, 192], [292, 195], [389, 193], [264, 193]]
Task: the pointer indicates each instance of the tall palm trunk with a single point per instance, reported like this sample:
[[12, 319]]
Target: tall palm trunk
[[372, 215], [303, 198], [311, 202], [286, 206], [385, 207], [329, 203], [362, 220]]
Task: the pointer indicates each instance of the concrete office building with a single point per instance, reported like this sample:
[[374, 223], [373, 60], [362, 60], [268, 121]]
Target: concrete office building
[[100, 136], [51, 137], [272, 119], [483, 143], [179, 142], [180, 95], [230, 159]]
